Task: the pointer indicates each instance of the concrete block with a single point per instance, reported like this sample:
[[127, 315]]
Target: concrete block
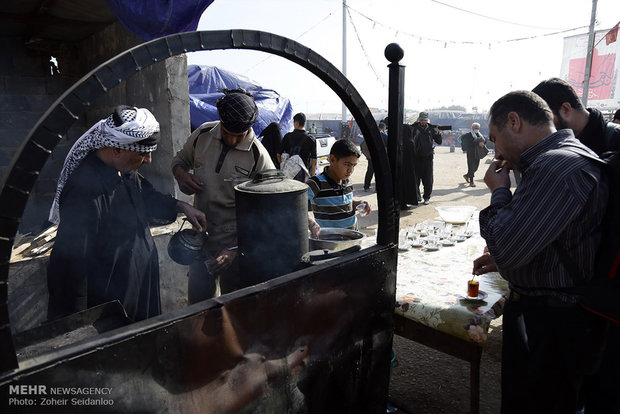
[[12, 138], [32, 64], [6, 155], [40, 103], [19, 120], [6, 65], [172, 276], [13, 46], [28, 293], [36, 212], [13, 103], [56, 85], [26, 85]]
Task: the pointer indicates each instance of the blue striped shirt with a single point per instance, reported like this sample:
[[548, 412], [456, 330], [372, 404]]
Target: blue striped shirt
[[562, 197], [332, 203]]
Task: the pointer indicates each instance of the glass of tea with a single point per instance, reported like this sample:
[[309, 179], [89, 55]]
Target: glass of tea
[[472, 288]]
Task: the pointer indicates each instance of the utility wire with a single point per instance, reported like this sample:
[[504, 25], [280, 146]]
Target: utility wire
[[493, 18], [543, 35], [269, 56], [364, 49], [375, 22]]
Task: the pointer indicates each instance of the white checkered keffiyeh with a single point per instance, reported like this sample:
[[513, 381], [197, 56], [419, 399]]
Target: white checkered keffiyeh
[[139, 124]]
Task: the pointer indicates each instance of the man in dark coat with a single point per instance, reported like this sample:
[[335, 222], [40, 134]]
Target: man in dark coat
[[104, 250], [594, 131], [473, 144], [588, 124], [409, 183], [298, 142], [424, 135], [370, 171], [271, 138]]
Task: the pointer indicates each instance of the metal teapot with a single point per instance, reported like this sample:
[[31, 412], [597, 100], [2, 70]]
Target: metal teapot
[[185, 246]]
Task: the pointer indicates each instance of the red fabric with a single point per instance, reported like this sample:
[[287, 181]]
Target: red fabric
[[612, 35], [600, 75]]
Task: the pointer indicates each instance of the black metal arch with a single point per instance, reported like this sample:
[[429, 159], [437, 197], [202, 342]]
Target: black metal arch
[[53, 125]]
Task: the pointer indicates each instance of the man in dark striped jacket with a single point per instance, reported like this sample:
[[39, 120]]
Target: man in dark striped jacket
[[591, 128], [550, 344]]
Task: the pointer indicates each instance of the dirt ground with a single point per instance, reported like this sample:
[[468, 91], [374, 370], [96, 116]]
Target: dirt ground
[[426, 381]]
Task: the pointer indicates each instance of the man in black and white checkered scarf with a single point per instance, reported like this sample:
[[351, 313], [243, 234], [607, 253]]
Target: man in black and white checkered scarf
[[128, 128]]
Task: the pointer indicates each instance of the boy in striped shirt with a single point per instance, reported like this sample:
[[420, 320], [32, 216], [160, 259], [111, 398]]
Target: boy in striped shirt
[[331, 192]]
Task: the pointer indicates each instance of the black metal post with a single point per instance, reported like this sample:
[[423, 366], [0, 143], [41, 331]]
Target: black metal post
[[394, 53]]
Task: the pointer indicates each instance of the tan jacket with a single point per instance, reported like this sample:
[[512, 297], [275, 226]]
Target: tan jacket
[[202, 153]]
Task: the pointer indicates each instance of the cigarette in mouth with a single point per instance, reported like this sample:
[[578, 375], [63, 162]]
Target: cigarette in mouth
[[501, 166]]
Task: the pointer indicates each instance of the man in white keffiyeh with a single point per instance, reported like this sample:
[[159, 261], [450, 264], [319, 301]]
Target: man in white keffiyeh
[[130, 129], [104, 250]]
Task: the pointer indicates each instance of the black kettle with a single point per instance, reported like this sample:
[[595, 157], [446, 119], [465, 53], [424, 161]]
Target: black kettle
[[185, 246]]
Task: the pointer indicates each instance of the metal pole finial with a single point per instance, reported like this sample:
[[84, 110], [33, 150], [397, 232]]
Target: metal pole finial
[[394, 53]]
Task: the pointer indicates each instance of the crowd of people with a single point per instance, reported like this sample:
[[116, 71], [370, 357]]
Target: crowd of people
[[542, 237], [557, 356], [104, 250]]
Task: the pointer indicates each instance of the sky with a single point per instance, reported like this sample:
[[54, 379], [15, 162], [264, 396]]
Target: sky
[[456, 52]]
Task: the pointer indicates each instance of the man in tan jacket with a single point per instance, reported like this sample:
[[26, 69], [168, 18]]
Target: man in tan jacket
[[219, 154]]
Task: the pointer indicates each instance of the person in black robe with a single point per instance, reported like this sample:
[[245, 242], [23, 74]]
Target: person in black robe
[[409, 188], [473, 144], [104, 250], [271, 137], [425, 137]]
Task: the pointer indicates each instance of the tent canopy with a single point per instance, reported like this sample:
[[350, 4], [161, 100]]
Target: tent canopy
[[206, 83], [150, 19]]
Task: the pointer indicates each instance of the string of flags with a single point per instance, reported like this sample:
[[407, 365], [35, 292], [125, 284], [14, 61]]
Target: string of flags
[[461, 42], [364, 50]]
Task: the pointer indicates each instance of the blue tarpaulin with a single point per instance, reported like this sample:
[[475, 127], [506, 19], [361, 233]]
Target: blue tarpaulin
[[205, 84], [150, 19]]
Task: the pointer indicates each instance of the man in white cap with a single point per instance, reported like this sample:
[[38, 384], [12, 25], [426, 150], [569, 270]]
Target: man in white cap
[[425, 137], [104, 250], [473, 144], [220, 154]]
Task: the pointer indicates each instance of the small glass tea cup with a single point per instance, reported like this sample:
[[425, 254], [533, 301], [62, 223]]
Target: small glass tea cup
[[361, 208], [473, 288]]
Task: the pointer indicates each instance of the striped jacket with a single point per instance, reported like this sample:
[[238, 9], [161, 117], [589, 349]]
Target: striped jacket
[[561, 199], [332, 203]]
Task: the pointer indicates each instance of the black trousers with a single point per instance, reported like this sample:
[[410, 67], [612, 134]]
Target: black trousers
[[548, 350], [473, 162], [424, 172], [370, 171], [602, 390]]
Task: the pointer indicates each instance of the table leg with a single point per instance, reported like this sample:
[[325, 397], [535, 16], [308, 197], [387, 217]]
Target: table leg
[[474, 384], [457, 347]]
